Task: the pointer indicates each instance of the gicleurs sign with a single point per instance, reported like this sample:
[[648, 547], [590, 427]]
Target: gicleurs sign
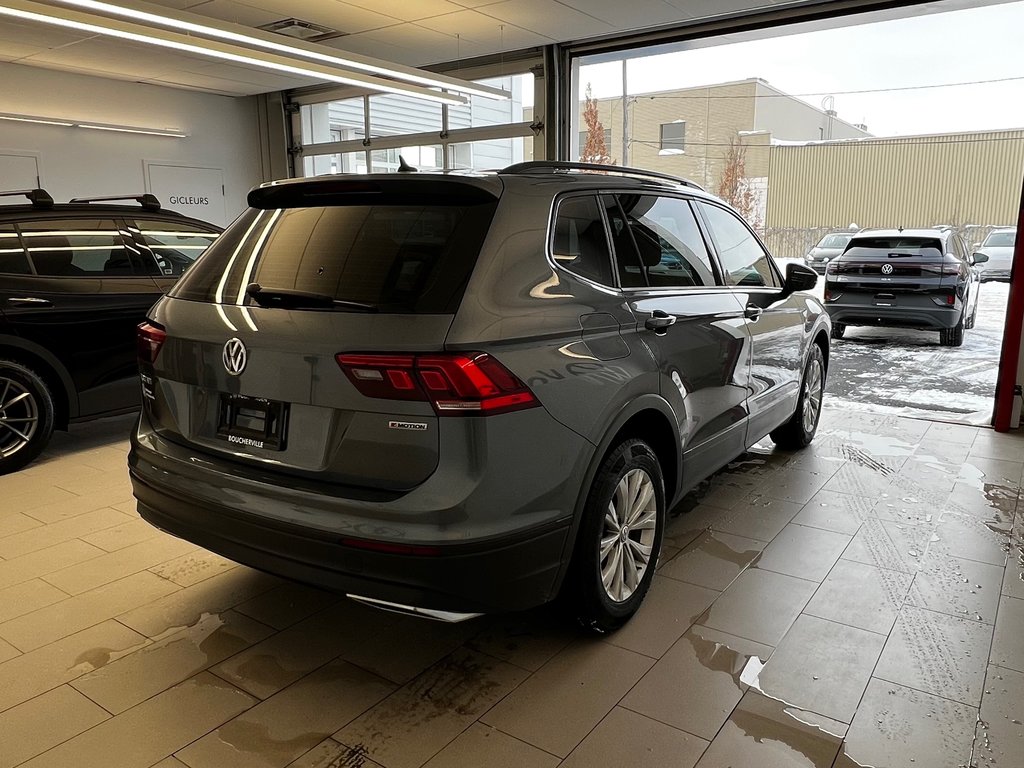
[[195, 192]]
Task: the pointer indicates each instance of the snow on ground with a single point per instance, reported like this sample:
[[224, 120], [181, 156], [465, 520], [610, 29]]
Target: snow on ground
[[906, 372]]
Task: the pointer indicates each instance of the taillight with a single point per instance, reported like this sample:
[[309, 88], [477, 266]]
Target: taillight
[[150, 338], [454, 384]]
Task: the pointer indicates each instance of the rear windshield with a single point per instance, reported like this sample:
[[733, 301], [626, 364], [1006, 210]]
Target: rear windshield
[[1000, 239], [402, 258], [900, 244]]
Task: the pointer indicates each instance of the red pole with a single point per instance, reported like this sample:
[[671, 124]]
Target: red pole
[[1009, 359]]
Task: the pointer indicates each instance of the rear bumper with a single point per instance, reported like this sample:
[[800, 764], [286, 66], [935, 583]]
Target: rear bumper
[[510, 574], [911, 311], [335, 542]]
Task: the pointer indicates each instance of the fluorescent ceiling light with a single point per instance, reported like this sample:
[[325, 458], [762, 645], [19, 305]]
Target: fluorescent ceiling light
[[256, 39], [40, 120], [119, 129], [168, 132], [30, 11]]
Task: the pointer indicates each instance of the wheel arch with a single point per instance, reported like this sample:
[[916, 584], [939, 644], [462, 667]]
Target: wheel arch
[[50, 369], [651, 419]]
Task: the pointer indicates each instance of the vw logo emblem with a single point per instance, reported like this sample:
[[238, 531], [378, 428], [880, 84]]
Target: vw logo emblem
[[234, 356], [887, 269]]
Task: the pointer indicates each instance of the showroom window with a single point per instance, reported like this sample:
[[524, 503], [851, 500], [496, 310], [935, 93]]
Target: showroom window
[[375, 133], [673, 136], [77, 248]]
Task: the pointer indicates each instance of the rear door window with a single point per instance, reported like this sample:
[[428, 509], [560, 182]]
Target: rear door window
[[671, 249], [579, 243], [13, 260], [402, 258], [175, 245], [77, 248]]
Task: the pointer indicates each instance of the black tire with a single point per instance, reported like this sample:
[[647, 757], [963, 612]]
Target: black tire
[[586, 593], [799, 431], [838, 330], [26, 415], [953, 337]]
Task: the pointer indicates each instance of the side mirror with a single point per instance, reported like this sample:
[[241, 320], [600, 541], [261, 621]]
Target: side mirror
[[799, 278], [980, 258]]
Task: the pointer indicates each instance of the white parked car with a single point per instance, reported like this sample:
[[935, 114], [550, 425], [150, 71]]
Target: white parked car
[[998, 246]]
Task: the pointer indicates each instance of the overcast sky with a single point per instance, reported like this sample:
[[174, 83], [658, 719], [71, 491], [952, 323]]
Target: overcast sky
[[980, 44]]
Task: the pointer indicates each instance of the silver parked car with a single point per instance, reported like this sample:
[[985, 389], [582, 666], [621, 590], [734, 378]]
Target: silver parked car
[[454, 394], [998, 246], [830, 246]]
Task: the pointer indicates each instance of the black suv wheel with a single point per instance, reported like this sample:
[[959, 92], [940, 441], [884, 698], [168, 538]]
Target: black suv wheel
[[26, 415], [953, 337]]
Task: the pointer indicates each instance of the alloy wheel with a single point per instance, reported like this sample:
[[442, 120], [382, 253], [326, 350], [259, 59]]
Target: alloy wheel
[[627, 542], [812, 395], [19, 416]]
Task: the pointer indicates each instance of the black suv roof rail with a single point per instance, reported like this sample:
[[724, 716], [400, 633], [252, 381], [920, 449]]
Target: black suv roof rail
[[39, 198], [147, 201], [567, 165]]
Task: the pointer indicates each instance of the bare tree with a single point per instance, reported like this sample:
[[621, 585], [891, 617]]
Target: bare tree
[[594, 150], [736, 188]]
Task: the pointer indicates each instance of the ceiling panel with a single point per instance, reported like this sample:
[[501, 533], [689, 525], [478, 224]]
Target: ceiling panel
[[343, 17], [99, 55], [551, 19], [485, 34], [406, 10], [37, 35], [236, 13], [623, 15]]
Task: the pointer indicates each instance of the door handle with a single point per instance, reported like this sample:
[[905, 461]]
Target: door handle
[[29, 301], [752, 312], [659, 321]]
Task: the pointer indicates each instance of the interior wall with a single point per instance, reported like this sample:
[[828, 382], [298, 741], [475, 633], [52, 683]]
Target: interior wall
[[73, 162]]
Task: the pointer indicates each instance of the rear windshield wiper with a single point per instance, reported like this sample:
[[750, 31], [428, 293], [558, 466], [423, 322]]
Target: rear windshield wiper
[[288, 298]]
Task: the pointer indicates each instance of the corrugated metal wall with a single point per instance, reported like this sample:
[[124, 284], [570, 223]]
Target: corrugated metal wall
[[960, 179]]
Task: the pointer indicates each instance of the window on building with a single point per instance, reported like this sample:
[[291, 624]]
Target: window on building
[[673, 137], [607, 139]]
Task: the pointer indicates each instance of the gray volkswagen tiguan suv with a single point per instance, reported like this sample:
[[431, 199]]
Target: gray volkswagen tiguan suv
[[455, 394]]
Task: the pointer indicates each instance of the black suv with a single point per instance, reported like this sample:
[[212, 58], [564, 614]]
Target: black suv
[[906, 278], [75, 281]]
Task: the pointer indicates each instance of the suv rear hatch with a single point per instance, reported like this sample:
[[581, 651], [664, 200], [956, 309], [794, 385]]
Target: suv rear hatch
[[893, 265], [310, 338]]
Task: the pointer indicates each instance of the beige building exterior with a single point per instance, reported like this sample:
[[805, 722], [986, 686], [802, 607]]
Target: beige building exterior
[[687, 132], [813, 172]]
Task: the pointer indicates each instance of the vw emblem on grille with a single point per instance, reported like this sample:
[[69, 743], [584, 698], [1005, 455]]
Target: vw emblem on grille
[[234, 356], [887, 269]]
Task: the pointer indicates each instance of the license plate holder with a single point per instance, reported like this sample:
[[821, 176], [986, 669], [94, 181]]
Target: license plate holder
[[252, 422]]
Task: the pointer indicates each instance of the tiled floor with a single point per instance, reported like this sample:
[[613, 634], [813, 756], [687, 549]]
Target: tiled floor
[[858, 603]]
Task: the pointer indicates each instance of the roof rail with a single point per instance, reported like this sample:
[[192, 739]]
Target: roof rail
[[566, 165], [39, 198], [147, 201]]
